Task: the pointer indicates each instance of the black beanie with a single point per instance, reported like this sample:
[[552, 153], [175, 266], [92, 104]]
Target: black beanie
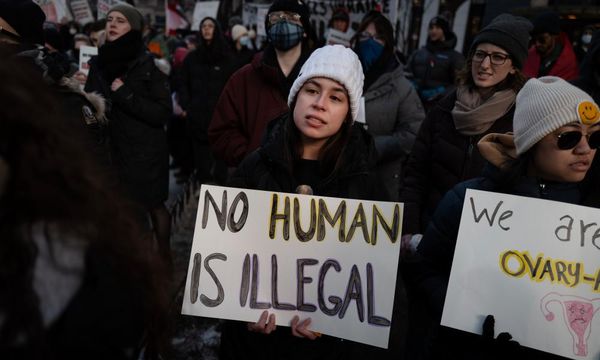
[[547, 22], [509, 32], [26, 17], [296, 6], [442, 23]]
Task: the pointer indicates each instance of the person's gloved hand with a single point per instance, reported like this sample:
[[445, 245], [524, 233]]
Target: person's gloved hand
[[501, 347]]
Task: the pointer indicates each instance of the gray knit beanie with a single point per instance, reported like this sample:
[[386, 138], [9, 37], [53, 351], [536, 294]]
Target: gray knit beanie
[[133, 15], [509, 32], [544, 105], [334, 62]]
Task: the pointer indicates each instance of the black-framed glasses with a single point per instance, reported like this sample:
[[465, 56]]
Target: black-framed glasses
[[496, 58], [278, 16], [570, 139]]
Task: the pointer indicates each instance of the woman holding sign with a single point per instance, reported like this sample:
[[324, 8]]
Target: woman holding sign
[[316, 147], [556, 134]]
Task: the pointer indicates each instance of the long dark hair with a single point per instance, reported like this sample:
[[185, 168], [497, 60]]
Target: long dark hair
[[330, 158], [49, 179], [512, 81]]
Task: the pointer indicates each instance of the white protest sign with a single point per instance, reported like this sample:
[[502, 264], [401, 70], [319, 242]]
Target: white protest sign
[[204, 9], [333, 260], [85, 53], [82, 12], [338, 37], [533, 264], [322, 10], [261, 16]]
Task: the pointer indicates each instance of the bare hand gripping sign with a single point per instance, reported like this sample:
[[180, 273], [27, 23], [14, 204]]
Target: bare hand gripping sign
[[535, 265], [333, 260]]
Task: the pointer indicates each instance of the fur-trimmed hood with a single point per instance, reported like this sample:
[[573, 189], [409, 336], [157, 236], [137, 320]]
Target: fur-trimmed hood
[[95, 99]]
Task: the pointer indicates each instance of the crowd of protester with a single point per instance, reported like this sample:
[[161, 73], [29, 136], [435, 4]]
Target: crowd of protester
[[85, 158]]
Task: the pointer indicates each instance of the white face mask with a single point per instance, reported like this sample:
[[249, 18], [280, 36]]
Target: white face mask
[[586, 39], [245, 41]]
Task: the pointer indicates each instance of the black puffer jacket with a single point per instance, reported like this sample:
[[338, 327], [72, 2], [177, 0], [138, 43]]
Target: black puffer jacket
[[441, 158], [137, 113], [589, 72], [433, 68], [266, 169]]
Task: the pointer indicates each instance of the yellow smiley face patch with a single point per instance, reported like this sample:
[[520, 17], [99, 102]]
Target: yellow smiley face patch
[[588, 112]]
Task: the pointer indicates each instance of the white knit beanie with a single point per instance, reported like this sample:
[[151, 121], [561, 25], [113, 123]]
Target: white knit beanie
[[237, 31], [544, 105], [334, 62]]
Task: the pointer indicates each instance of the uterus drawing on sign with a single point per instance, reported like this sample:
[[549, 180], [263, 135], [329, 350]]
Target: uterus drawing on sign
[[578, 313]]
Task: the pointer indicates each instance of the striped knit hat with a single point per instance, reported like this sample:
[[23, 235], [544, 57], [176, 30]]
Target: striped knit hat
[[544, 105]]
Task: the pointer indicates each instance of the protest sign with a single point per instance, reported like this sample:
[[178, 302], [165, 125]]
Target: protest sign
[[333, 260], [85, 53], [82, 12], [533, 264], [204, 9]]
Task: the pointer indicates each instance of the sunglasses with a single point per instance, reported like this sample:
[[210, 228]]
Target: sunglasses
[[570, 139]]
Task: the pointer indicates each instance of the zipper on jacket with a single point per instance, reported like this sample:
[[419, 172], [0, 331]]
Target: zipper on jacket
[[542, 189], [467, 158]]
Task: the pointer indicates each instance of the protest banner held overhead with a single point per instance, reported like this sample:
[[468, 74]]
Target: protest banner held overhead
[[333, 260], [533, 264]]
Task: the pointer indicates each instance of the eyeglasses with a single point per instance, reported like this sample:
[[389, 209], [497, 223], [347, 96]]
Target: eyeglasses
[[365, 35], [496, 58], [278, 16], [570, 139]]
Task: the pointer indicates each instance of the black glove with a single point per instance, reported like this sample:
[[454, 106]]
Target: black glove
[[501, 347]]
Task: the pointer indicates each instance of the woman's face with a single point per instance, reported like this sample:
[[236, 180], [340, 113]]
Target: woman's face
[[489, 72], [553, 164], [372, 30], [322, 106], [117, 25], [208, 30]]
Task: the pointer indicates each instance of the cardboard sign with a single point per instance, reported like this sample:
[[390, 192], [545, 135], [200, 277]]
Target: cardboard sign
[[333, 260], [204, 9], [85, 53], [533, 264]]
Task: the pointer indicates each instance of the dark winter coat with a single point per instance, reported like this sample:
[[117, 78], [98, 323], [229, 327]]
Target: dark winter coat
[[266, 169], [253, 96], [440, 159], [589, 73], [203, 79], [394, 114], [434, 67], [436, 251], [137, 113]]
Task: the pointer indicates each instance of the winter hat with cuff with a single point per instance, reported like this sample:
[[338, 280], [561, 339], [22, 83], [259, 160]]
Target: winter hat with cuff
[[544, 105], [334, 62], [237, 31], [133, 15], [509, 32]]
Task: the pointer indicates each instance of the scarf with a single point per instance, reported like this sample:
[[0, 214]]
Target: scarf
[[114, 56], [473, 116]]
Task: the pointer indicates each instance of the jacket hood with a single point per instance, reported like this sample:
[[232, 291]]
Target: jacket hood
[[98, 102], [447, 44], [498, 149]]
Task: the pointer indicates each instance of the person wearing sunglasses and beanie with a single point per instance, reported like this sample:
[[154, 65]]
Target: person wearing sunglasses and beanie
[[445, 151], [556, 135], [256, 94]]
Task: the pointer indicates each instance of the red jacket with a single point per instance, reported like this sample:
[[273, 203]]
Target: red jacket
[[251, 98], [565, 66]]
